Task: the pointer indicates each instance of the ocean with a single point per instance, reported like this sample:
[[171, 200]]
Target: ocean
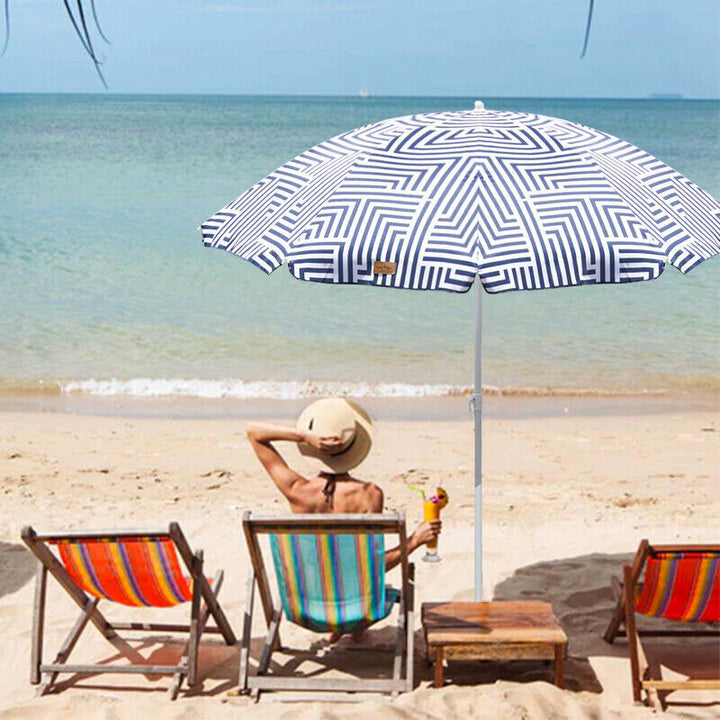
[[108, 291]]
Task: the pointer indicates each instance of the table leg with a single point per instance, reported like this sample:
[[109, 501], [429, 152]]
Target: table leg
[[559, 657], [439, 666]]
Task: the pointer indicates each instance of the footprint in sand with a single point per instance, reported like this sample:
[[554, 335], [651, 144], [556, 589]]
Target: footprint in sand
[[218, 472]]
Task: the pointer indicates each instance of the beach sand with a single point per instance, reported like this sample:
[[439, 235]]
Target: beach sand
[[567, 498]]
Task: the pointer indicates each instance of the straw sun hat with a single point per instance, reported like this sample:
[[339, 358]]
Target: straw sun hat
[[344, 419]]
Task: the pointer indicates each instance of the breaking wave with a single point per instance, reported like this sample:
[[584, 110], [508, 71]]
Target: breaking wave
[[262, 389], [299, 389]]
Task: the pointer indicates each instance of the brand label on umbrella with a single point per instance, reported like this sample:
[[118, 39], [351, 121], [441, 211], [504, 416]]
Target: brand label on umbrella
[[384, 268]]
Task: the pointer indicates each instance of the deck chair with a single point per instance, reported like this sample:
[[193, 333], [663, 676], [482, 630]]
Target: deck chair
[[128, 567], [330, 572], [680, 583]]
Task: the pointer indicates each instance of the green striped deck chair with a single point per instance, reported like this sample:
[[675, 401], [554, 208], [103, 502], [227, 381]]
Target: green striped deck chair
[[135, 568], [680, 583], [330, 577]]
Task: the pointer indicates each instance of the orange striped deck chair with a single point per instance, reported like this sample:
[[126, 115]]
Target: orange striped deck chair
[[673, 582], [137, 568], [330, 576]]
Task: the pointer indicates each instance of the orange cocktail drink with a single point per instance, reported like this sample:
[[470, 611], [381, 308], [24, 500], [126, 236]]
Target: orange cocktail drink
[[431, 511]]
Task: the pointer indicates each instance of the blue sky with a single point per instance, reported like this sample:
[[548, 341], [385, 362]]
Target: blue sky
[[392, 47]]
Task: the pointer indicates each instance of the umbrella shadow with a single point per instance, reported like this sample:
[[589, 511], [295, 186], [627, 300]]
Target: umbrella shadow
[[580, 591], [17, 566]]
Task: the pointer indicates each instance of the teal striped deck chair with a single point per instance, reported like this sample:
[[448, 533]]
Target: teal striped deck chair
[[330, 576]]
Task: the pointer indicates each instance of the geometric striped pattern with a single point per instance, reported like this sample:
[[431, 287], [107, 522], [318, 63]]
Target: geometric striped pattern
[[132, 571], [331, 582], [522, 201], [681, 586]]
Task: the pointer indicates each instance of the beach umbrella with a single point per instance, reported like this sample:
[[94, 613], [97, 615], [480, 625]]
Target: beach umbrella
[[435, 201]]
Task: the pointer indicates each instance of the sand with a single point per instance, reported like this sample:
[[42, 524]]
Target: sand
[[567, 498]]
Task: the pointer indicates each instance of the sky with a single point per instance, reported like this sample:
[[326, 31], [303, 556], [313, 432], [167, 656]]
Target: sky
[[481, 48]]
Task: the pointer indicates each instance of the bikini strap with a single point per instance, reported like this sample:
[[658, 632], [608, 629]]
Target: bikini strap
[[329, 489]]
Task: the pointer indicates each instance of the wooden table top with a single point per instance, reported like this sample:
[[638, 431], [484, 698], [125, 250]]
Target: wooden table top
[[501, 621]]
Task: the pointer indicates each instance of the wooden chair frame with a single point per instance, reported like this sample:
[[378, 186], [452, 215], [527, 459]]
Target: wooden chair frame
[[325, 688], [625, 615], [203, 604]]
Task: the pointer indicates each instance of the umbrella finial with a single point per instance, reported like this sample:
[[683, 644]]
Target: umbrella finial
[[479, 105]]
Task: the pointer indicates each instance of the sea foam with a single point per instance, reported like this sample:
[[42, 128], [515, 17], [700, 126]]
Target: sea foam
[[233, 389], [245, 390]]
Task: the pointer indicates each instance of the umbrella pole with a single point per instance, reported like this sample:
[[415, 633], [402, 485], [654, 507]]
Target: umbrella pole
[[476, 406]]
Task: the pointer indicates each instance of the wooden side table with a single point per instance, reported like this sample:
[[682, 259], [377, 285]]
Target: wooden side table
[[499, 630]]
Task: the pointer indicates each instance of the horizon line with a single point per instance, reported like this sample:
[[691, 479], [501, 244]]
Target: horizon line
[[664, 97]]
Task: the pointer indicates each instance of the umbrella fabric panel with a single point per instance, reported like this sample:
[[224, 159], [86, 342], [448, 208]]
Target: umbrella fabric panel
[[525, 201], [672, 208]]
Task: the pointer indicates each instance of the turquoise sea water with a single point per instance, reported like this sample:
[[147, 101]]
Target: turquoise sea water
[[106, 287]]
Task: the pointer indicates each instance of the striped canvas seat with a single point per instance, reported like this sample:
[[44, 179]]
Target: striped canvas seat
[[333, 583], [127, 570], [682, 586]]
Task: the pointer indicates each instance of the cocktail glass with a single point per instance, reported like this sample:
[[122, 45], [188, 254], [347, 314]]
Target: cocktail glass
[[431, 511]]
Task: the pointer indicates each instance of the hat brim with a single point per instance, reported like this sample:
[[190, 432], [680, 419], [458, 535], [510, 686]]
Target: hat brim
[[353, 455]]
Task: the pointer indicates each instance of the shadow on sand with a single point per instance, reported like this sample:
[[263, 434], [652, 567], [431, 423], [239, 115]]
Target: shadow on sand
[[217, 667], [17, 566], [579, 589]]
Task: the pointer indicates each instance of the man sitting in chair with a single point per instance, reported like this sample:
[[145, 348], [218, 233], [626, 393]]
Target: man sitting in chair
[[338, 434]]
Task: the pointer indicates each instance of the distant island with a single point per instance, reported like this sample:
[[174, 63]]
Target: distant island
[[665, 96]]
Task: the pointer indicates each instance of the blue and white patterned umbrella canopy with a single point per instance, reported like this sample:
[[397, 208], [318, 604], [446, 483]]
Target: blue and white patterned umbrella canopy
[[430, 201]]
